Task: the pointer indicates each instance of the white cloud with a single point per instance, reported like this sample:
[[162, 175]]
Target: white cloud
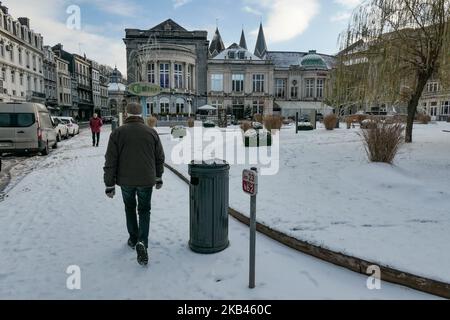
[[251, 10], [340, 17], [348, 7], [286, 19], [118, 7], [49, 19], [180, 3]]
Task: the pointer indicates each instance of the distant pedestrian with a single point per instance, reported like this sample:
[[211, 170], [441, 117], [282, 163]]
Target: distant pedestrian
[[135, 162], [96, 124]]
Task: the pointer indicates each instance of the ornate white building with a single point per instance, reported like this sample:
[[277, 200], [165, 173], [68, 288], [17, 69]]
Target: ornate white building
[[173, 58], [193, 72], [21, 60], [266, 82]]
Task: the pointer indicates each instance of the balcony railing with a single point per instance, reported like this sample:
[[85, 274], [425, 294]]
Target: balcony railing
[[35, 94]]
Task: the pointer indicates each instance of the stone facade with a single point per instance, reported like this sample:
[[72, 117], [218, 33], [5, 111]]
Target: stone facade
[[188, 70], [50, 79], [174, 59], [64, 86], [21, 60], [301, 82], [240, 82], [435, 101]]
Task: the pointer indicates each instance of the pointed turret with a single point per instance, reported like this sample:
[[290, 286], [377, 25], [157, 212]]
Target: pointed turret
[[261, 46], [217, 45], [242, 42]]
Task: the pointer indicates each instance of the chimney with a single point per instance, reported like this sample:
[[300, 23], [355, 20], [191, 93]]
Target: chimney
[[25, 22]]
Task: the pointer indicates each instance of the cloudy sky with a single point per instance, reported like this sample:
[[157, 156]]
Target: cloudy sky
[[291, 25]]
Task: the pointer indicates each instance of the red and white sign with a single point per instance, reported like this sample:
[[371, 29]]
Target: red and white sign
[[250, 182]]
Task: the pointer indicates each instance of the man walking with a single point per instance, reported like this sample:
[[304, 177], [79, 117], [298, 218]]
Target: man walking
[[135, 162], [96, 126]]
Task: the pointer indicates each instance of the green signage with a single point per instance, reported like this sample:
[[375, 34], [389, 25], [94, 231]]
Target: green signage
[[144, 89]]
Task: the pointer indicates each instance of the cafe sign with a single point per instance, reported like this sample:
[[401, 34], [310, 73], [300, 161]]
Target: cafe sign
[[144, 89]]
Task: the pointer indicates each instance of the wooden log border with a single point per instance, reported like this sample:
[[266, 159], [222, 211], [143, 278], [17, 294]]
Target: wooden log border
[[354, 264]]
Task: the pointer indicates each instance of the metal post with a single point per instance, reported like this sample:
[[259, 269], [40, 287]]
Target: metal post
[[252, 239], [296, 123], [144, 107]]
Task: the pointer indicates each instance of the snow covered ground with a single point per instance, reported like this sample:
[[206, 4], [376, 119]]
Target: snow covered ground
[[327, 193], [56, 215]]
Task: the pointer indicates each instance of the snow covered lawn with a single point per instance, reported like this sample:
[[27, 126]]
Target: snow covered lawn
[[56, 215], [327, 193]]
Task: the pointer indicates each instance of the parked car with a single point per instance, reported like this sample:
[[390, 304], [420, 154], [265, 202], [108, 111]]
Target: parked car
[[61, 129], [72, 124], [107, 119], [257, 126], [26, 128]]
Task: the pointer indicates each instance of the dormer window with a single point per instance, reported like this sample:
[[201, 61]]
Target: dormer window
[[241, 55], [231, 55]]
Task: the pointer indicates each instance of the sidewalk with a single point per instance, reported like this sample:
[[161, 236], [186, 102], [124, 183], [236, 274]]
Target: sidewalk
[[58, 216]]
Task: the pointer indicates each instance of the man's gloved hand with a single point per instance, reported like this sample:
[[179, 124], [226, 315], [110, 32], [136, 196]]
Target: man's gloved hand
[[159, 183], [110, 192]]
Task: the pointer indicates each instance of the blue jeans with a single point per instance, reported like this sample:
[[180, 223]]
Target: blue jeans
[[138, 233]]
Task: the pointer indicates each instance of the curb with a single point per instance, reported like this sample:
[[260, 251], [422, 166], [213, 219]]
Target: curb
[[351, 263]]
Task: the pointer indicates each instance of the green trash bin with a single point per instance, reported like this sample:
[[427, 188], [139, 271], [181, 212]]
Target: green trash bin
[[209, 190]]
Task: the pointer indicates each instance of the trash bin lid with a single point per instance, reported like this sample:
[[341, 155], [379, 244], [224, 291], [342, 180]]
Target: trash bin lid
[[209, 164]]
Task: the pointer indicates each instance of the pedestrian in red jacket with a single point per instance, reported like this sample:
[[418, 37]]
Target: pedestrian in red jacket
[[96, 127]]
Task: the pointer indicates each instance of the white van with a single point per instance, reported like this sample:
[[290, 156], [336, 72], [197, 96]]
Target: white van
[[26, 128]]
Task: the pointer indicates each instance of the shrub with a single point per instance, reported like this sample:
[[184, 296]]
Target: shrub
[[423, 118], [246, 125], [383, 141], [273, 122], [330, 121], [152, 122], [369, 124], [191, 122], [258, 118]]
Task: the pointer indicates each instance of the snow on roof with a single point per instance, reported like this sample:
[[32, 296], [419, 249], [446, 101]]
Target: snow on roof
[[234, 49], [286, 59]]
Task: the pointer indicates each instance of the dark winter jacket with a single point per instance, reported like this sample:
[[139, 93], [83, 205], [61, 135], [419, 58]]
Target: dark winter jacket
[[135, 156], [96, 124]]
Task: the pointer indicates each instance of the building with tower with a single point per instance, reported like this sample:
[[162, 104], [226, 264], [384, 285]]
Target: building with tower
[[191, 71]]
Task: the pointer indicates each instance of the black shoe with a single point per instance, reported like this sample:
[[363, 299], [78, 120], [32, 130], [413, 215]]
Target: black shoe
[[142, 255], [132, 244]]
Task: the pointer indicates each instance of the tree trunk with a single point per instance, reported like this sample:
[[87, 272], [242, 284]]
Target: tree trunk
[[412, 106]]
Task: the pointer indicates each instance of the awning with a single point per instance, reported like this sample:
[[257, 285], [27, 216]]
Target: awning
[[289, 108], [207, 108]]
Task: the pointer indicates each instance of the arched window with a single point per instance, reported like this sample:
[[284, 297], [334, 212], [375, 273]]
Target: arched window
[[164, 105], [180, 105]]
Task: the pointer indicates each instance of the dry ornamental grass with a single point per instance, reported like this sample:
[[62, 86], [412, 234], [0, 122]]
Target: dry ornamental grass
[[273, 122], [330, 121], [383, 141], [246, 125]]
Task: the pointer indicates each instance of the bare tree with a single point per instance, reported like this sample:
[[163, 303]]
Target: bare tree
[[390, 50]]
